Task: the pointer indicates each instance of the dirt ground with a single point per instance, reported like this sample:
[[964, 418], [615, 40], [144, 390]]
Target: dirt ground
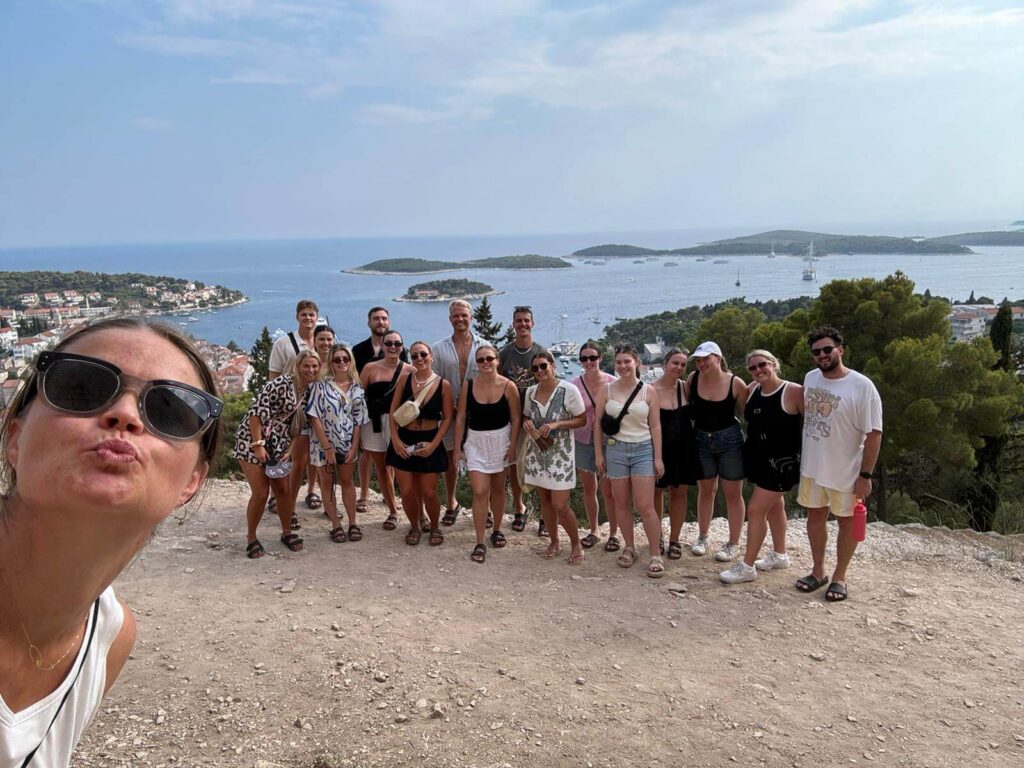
[[380, 654]]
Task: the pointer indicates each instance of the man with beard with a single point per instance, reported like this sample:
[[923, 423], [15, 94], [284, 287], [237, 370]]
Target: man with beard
[[455, 360], [366, 351], [842, 437]]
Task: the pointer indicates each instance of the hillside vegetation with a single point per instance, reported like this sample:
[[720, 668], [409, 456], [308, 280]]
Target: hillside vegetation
[[526, 261]]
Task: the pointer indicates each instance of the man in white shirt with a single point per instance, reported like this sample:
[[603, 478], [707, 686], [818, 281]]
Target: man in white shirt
[[842, 438], [455, 360], [287, 347]]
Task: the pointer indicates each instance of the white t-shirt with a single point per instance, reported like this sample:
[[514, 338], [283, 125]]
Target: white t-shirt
[[282, 353], [838, 415]]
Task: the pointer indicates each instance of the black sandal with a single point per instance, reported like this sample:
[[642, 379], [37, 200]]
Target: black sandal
[[490, 521], [293, 542], [338, 535], [675, 550], [313, 501], [810, 583], [836, 592], [354, 533], [612, 545], [479, 553], [519, 522], [590, 540], [254, 549], [498, 540], [451, 514], [296, 525], [542, 529]]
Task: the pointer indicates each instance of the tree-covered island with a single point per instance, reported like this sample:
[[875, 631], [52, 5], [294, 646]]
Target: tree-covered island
[[446, 290], [424, 266]]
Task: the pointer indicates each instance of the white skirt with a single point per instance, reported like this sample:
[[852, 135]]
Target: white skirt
[[375, 441], [486, 451]]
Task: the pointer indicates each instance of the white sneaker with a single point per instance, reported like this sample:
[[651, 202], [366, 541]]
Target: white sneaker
[[771, 561], [699, 546], [738, 573], [727, 552]]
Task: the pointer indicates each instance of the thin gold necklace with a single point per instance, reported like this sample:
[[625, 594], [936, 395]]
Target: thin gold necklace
[[33, 650]]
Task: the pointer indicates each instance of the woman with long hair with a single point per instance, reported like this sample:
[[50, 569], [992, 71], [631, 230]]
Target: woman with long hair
[[678, 447], [337, 412], [590, 382], [774, 415], [263, 445], [486, 433], [323, 341], [553, 408], [717, 396], [632, 455], [417, 447], [378, 380], [115, 427]]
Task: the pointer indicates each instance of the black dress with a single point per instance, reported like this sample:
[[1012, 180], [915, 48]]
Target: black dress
[[431, 410], [772, 449], [678, 445]]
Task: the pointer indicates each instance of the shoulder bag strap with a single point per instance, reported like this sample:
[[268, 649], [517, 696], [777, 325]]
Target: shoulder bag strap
[[74, 680], [295, 344], [423, 392], [679, 393], [584, 385]]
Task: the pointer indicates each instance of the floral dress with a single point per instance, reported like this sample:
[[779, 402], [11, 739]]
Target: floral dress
[[340, 412], [554, 468], [274, 405]]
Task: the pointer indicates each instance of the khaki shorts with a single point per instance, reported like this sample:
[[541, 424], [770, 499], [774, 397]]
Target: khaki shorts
[[814, 496]]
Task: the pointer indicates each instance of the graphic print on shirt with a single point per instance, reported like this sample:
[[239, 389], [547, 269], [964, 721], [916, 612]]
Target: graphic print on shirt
[[820, 407]]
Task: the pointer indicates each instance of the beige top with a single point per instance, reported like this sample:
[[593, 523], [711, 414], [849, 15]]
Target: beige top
[[633, 428]]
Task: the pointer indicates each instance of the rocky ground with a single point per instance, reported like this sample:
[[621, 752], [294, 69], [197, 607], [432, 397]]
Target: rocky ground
[[379, 654]]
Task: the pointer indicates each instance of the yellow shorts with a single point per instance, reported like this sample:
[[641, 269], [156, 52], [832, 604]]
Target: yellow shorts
[[814, 496]]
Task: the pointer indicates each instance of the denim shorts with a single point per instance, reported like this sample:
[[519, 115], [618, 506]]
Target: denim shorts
[[585, 459], [624, 460], [721, 453]]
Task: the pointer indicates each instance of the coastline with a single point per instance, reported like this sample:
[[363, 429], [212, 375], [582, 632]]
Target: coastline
[[358, 271], [439, 299]]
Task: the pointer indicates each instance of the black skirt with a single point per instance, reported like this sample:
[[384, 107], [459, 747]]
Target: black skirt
[[435, 463], [678, 449]]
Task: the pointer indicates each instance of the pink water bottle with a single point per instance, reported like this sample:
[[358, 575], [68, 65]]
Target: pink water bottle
[[860, 521]]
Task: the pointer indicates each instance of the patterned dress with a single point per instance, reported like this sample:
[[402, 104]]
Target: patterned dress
[[340, 412], [274, 405], [554, 468]]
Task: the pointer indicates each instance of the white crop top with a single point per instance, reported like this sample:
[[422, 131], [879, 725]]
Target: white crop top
[[633, 428], [21, 732]]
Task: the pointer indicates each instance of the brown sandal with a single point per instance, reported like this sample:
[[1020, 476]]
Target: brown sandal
[[391, 523], [355, 533], [338, 535], [436, 538], [412, 538]]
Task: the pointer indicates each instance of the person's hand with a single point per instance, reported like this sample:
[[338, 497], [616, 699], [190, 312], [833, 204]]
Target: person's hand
[[261, 454], [530, 429], [401, 449], [350, 457], [510, 455], [456, 457], [599, 460], [329, 455], [862, 487], [544, 430], [426, 449], [659, 467]]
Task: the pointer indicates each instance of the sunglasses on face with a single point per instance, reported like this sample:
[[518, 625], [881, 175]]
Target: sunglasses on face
[[419, 355], [589, 358], [827, 350], [392, 344], [342, 359], [486, 359], [83, 386], [758, 366], [539, 367]]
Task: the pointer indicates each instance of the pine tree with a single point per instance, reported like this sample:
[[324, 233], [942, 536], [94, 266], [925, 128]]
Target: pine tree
[[484, 325], [259, 359], [1001, 335]]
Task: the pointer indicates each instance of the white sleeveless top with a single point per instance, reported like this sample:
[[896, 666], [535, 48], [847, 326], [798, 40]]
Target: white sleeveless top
[[633, 428], [21, 732]]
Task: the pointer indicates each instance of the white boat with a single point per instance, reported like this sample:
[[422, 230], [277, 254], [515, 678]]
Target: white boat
[[721, 261], [737, 276], [771, 254], [671, 264], [566, 348], [810, 273]]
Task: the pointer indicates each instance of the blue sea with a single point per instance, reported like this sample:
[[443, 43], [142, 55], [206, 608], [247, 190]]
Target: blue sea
[[568, 304]]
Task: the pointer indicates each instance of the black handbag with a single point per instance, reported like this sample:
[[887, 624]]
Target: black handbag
[[610, 424]]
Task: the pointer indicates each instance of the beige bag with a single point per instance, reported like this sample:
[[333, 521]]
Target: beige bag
[[409, 411]]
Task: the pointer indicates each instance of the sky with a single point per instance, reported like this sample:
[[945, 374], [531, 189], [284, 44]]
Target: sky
[[188, 120]]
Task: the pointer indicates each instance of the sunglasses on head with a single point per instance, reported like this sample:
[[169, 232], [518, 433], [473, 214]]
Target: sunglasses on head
[[419, 355], [589, 358], [84, 386], [826, 350], [341, 359], [539, 367], [392, 344], [486, 359], [758, 366]]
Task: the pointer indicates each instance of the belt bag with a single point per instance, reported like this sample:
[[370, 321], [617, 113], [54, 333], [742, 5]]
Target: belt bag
[[409, 411], [610, 424]]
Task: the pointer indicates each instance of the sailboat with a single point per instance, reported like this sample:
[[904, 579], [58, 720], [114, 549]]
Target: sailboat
[[771, 254], [737, 276], [809, 272]]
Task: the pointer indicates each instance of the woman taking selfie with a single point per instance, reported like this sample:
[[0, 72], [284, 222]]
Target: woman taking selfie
[[336, 410], [115, 428], [417, 450], [553, 409], [589, 383], [263, 445], [486, 433]]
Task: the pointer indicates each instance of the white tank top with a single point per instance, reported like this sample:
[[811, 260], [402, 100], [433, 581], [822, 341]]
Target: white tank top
[[21, 732], [633, 428]]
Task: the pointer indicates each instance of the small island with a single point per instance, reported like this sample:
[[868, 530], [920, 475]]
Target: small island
[[446, 290], [426, 266]]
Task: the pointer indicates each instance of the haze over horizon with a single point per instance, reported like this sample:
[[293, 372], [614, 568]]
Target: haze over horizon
[[193, 120]]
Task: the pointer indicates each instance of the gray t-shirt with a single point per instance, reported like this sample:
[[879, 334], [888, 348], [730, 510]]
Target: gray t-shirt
[[515, 364]]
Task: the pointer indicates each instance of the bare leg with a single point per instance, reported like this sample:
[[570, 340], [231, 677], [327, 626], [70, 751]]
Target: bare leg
[[348, 491], [482, 494], [706, 490], [285, 503], [426, 492], [517, 492], [621, 493], [330, 499], [676, 511], [386, 485], [846, 545], [817, 537], [451, 477], [497, 487], [259, 485], [761, 501], [736, 508], [300, 460], [643, 498], [589, 480], [410, 500], [364, 474], [563, 515], [610, 507], [777, 524], [550, 517]]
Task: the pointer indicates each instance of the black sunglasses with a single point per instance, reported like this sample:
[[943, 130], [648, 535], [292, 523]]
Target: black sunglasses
[[419, 355], [827, 350], [758, 366], [341, 359], [391, 344], [589, 358], [539, 367], [83, 386], [486, 359]]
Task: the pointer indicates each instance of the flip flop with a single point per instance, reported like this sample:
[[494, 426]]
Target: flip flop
[[590, 540], [293, 542], [313, 501], [836, 592], [254, 549], [810, 583], [576, 559], [355, 533]]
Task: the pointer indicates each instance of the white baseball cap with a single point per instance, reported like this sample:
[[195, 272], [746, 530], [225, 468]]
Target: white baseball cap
[[707, 348]]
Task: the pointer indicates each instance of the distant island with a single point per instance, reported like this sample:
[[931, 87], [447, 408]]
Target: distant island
[[1018, 223], [446, 290], [789, 242], [425, 266]]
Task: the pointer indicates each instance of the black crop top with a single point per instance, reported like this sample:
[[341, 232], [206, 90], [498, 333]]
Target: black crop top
[[486, 417], [433, 408], [712, 415]]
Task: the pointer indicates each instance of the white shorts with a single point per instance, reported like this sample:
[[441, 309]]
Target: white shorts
[[487, 451], [814, 496], [375, 441]]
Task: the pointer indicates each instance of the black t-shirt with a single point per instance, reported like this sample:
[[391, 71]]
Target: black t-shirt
[[363, 353]]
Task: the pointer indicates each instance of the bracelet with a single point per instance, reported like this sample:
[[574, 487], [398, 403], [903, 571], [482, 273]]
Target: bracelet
[[865, 475], [257, 443]]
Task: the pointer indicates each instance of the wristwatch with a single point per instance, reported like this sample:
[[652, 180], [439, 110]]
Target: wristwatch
[[865, 475], [257, 443]]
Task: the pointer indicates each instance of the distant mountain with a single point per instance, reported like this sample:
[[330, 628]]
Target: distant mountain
[[983, 238], [597, 251], [1019, 223], [420, 266]]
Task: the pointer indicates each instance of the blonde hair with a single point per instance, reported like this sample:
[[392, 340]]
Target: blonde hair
[[459, 303], [327, 371], [767, 356]]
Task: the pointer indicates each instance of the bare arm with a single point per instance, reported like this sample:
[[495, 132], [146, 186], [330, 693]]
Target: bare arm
[[654, 425], [121, 647], [599, 404], [515, 411], [460, 422], [446, 413], [396, 400], [739, 390], [321, 436], [872, 445]]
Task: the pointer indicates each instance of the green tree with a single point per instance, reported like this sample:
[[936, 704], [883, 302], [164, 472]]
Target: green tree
[[259, 359], [732, 328], [1001, 335], [235, 407], [485, 327], [233, 346]]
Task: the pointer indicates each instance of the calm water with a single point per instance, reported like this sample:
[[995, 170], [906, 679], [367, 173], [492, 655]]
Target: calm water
[[275, 274]]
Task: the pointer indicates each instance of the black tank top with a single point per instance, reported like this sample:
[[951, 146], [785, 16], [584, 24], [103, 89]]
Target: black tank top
[[485, 417], [712, 415], [432, 409], [768, 423]]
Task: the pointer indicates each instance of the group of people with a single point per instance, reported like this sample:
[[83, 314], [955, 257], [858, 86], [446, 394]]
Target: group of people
[[417, 414]]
